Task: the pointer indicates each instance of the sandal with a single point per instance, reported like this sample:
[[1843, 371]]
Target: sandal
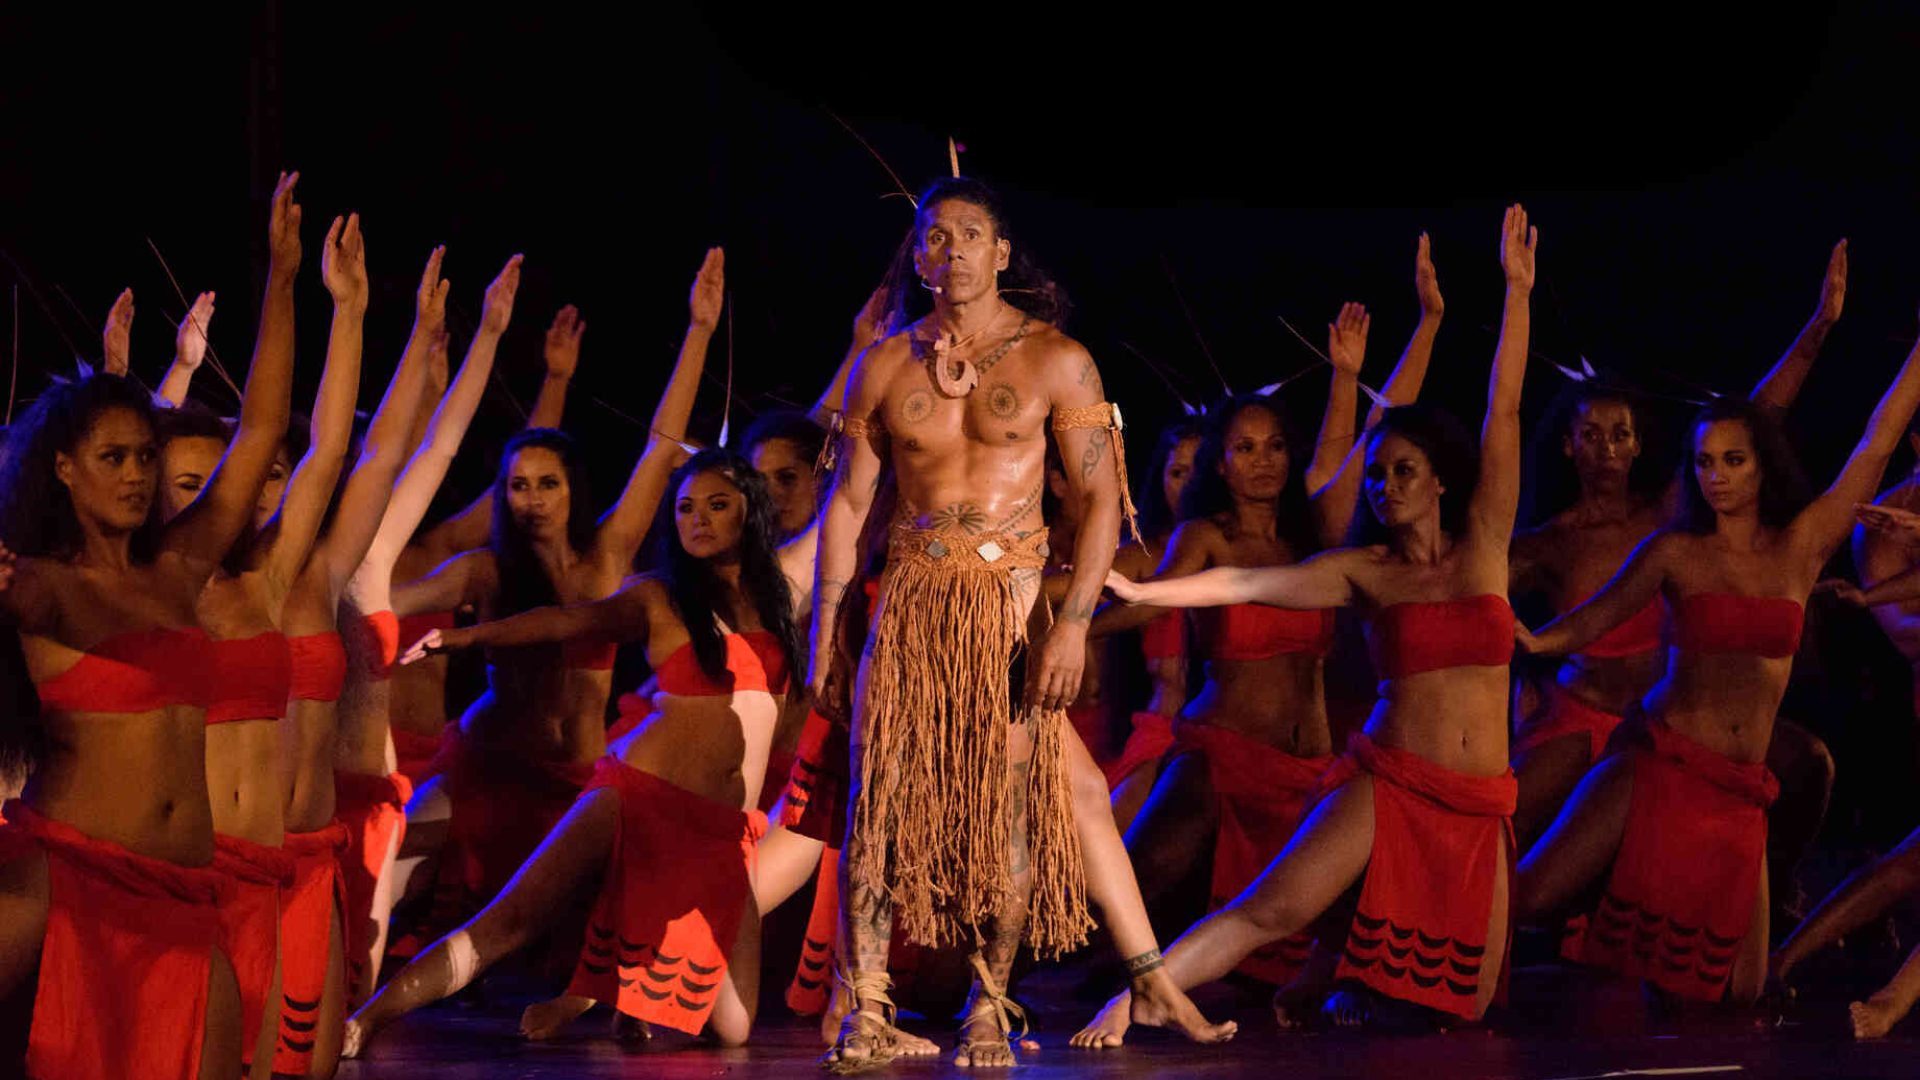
[[881, 1038]]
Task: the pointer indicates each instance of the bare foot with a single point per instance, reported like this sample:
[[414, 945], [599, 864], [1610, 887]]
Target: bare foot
[[837, 1007], [1109, 1029], [1295, 1005], [1874, 1017], [354, 1039], [983, 1045], [1348, 1008], [630, 1029], [545, 1019], [1158, 1002]]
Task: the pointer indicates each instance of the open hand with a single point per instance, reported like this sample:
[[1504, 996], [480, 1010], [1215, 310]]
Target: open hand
[[709, 290], [1902, 525], [499, 305], [190, 338], [283, 227], [1525, 639], [1347, 339], [430, 302], [1054, 671], [563, 342], [115, 339], [870, 325], [434, 643], [343, 263], [1517, 243], [1847, 591], [1123, 587], [1833, 288], [1426, 284]]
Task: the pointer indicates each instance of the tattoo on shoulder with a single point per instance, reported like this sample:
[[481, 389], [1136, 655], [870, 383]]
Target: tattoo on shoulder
[[1096, 449], [1088, 373]]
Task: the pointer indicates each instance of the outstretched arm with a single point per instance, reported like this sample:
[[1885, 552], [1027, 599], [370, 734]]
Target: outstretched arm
[[1827, 520], [1632, 588], [1335, 504], [1187, 554], [343, 266], [1781, 385], [624, 526], [189, 349], [620, 617], [1324, 581], [429, 465], [1496, 498], [204, 531]]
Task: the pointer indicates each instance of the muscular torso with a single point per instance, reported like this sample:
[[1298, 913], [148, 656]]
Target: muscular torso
[[1279, 700], [135, 780], [1570, 559]]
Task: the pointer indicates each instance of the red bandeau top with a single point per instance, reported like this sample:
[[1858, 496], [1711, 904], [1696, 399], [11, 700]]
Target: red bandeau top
[[252, 678], [755, 661], [1766, 626], [1637, 635], [1428, 635], [319, 666], [1165, 638], [1261, 631], [139, 671]]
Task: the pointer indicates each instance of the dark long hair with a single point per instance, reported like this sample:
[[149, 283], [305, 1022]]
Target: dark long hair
[[1552, 484], [1156, 514], [803, 431], [523, 581], [696, 590], [1783, 485], [36, 510], [1023, 283], [1452, 452], [1207, 493]]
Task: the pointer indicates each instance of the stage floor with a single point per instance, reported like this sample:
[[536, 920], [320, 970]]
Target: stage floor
[[1546, 1043]]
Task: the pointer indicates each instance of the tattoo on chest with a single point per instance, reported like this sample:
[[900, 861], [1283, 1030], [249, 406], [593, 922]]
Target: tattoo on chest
[[1096, 449], [1002, 402], [917, 407], [964, 516]]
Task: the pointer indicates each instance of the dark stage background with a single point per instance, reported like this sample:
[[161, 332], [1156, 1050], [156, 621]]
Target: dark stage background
[[1188, 174]]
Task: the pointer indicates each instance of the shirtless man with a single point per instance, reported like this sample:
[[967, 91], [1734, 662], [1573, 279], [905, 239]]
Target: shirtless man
[[960, 404]]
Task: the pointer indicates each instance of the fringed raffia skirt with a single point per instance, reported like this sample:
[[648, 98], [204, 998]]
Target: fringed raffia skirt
[[935, 809]]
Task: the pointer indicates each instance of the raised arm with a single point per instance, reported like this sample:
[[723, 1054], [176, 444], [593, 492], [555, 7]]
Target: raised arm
[[1496, 498], [1826, 521], [343, 266], [1188, 552], [429, 464], [1087, 454], [624, 526], [1631, 589], [562, 354], [1781, 385], [868, 327], [856, 477], [620, 617], [116, 338], [1347, 349], [1336, 502], [189, 349], [1324, 581], [204, 531]]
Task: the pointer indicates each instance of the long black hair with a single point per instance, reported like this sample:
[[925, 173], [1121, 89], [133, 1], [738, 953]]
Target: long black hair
[[1207, 493], [1552, 484], [1784, 491], [523, 581], [1452, 452], [696, 590], [36, 510], [1156, 515], [1022, 284]]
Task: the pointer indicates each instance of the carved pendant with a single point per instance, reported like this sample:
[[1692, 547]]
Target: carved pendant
[[955, 385]]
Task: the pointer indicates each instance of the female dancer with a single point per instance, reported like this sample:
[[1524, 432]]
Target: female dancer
[[1572, 556], [525, 747], [1251, 746], [678, 791], [106, 881], [1678, 827], [1416, 810]]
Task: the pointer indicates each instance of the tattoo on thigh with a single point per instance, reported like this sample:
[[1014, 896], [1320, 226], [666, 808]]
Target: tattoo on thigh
[[1146, 963]]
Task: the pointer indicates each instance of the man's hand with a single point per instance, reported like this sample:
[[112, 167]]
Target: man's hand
[[115, 338], [1053, 674]]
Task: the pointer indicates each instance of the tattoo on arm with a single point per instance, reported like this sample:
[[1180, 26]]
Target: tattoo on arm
[[1144, 964], [1089, 373], [1096, 450], [1077, 610]]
